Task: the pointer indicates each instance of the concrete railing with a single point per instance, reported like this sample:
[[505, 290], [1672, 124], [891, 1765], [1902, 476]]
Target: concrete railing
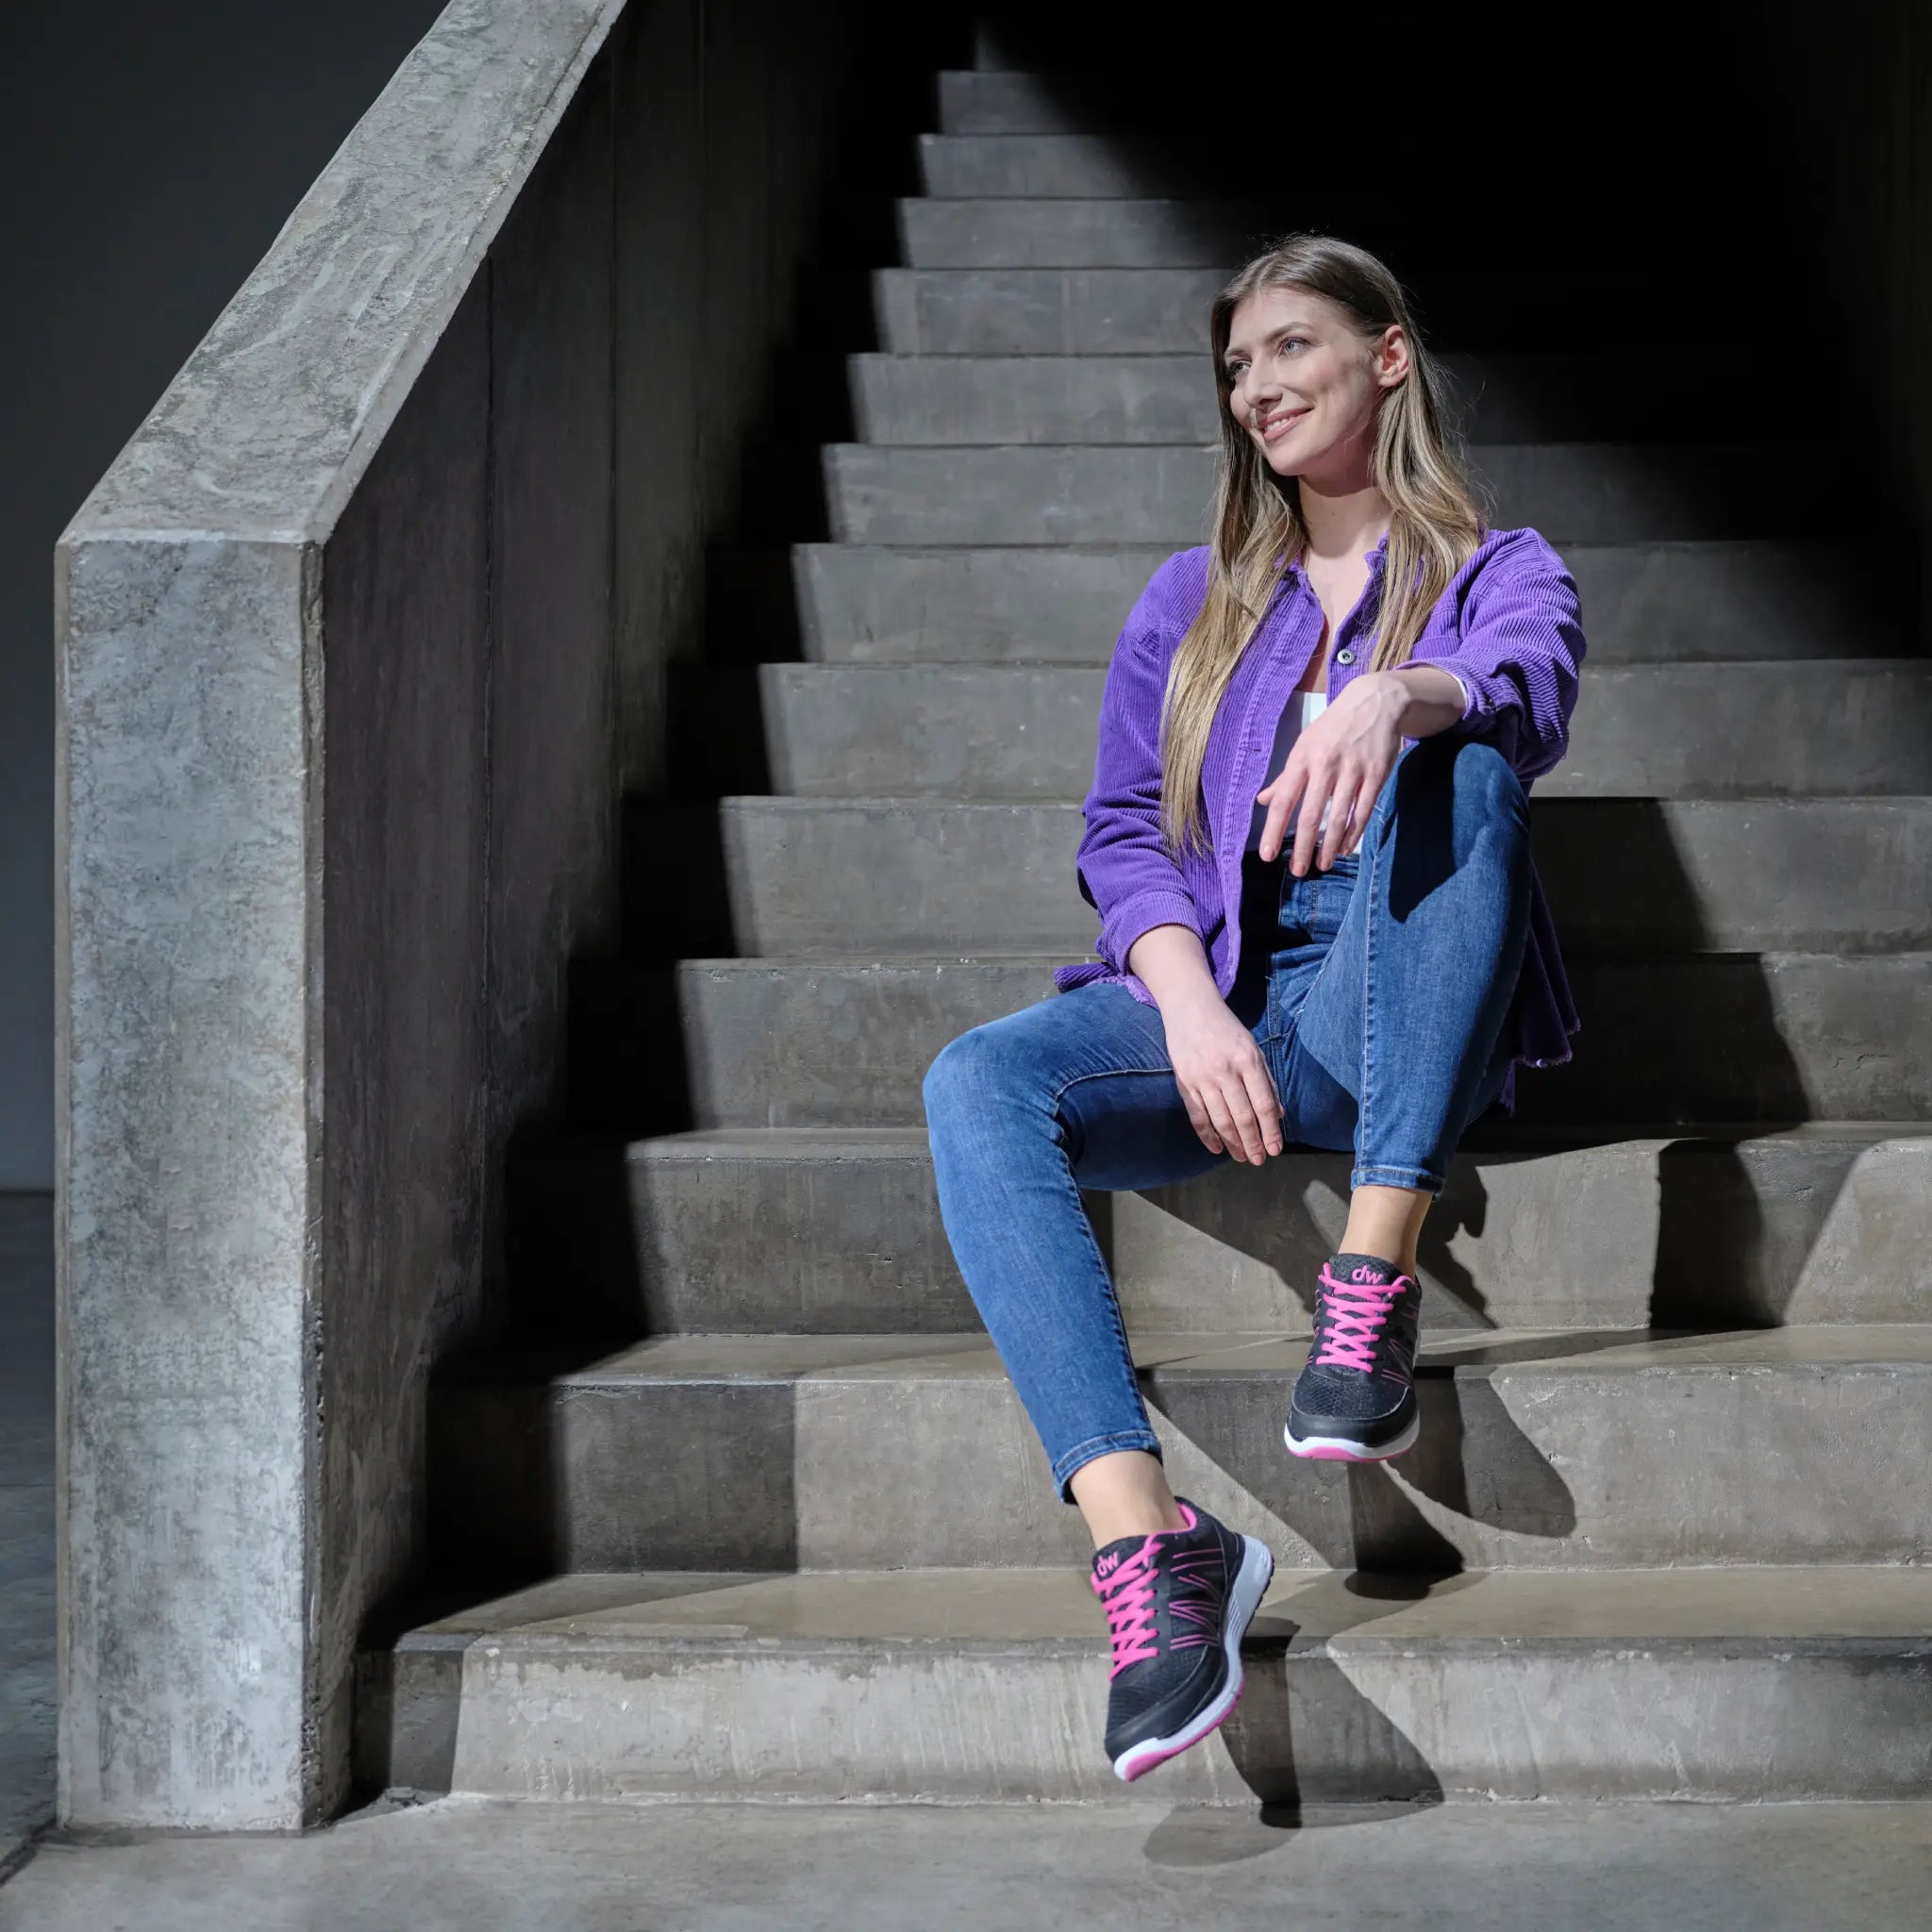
[[360, 642]]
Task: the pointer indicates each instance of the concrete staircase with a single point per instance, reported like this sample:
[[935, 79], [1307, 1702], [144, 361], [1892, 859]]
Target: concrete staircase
[[749, 1510]]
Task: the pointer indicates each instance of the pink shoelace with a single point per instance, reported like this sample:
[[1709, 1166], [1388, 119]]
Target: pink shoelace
[[1128, 1595], [1356, 1311]]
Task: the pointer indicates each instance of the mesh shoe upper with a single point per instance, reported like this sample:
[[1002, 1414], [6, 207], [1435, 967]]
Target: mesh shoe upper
[[1361, 1363]]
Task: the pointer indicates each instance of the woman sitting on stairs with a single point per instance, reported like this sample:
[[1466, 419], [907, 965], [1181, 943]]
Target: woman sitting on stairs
[[1325, 929]]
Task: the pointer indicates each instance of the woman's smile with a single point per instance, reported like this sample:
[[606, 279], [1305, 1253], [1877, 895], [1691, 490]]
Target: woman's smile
[[1272, 427]]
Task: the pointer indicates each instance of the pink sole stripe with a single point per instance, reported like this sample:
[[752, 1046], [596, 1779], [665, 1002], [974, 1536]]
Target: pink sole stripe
[[1141, 1769]]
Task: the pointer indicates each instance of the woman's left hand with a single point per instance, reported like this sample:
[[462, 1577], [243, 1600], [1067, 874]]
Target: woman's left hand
[[1344, 756]]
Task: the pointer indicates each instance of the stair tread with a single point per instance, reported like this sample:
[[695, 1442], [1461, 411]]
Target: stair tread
[[1276, 1356], [791, 1144], [1723, 1604]]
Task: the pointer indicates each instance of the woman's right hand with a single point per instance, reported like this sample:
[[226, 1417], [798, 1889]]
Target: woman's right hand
[[1222, 1078], [1223, 1081]]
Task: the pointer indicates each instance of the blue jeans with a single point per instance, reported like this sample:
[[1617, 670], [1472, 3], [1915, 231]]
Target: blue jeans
[[1380, 1008]]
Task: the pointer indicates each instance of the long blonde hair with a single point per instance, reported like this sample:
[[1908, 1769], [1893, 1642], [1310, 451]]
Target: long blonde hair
[[1436, 522]]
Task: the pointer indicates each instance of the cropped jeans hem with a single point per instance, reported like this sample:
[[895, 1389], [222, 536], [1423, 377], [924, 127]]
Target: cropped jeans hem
[[1070, 1462], [1419, 1178]]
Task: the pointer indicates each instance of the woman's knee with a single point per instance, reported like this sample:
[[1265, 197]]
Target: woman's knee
[[981, 1069], [1476, 779]]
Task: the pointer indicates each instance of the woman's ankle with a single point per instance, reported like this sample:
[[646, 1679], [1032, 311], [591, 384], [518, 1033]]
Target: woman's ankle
[[1123, 1494]]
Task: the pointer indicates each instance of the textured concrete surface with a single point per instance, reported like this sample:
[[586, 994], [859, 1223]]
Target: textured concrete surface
[[1574, 1451], [1645, 602], [1573, 492], [26, 1519], [458, 1863], [1771, 1036], [963, 1684], [1569, 397], [1738, 1229], [353, 678], [1647, 731], [273, 650], [1622, 875]]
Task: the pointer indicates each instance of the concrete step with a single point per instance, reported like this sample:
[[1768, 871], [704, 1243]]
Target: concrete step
[[1538, 1450], [1142, 310], [1015, 102], [1718, 1228], [1155, 232], [853, 602], [937, 1686], [1782, 729], [809, 876], [1496, 398], [1588, 492], [1168, 208], [1074, 164], [1772, 1037]]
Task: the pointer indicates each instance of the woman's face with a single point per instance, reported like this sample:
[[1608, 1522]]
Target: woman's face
[[1304, 385]]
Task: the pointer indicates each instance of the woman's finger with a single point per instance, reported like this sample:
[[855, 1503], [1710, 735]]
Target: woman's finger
[[1241, 1110], [1223, 1116], [1197, 1116], [1321, 784], [1265, 1101], [1348, 784], [1281, 796]]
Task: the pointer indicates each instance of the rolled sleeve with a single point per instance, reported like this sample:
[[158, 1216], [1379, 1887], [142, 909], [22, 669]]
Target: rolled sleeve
[[1519, 651]]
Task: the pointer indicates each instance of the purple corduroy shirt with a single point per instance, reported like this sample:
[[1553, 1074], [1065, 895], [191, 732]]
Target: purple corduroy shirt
[[1509, 625]]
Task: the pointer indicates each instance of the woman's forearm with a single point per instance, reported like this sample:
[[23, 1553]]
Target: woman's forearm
[[1171, 962], [1434, 700]]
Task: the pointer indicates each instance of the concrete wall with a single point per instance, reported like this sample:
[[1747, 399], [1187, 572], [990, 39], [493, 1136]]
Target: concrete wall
[[361, 641]]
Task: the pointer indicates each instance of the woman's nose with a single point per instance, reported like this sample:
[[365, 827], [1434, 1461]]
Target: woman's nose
[[1258, 390]]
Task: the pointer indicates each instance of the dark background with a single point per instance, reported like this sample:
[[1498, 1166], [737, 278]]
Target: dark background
[[150, 156]]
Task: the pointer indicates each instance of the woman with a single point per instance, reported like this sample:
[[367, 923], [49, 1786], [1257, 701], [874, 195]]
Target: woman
[[1339, 940]]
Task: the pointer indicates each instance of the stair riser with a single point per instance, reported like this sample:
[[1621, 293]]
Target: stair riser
[[1125, 312], [1050, 166], [1633, 1233], [1791, 1037], [1571, 493], [1626, 876], [1753, 1721], [1157, 212], [1522, 1467], [1028, 731], [1156, 233], [961, 400], [972, 102], [1663, 602]]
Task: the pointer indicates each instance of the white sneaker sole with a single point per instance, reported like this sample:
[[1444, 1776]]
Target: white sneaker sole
[[1243, 1600], [1340, 1449]]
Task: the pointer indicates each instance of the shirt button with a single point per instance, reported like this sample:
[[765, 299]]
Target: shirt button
[[1344, 656]]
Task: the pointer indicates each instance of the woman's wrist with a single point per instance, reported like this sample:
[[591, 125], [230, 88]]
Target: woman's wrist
[[1422, 700], [1172, 963]]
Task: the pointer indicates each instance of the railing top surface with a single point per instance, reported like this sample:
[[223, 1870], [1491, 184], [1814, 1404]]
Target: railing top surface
[[264, 433]]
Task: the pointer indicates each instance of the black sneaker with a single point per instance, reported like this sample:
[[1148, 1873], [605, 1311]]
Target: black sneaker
[[1355, 1400], [1177, 1603]]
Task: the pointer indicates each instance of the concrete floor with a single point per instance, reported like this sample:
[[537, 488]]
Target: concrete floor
[[471, 1864]]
